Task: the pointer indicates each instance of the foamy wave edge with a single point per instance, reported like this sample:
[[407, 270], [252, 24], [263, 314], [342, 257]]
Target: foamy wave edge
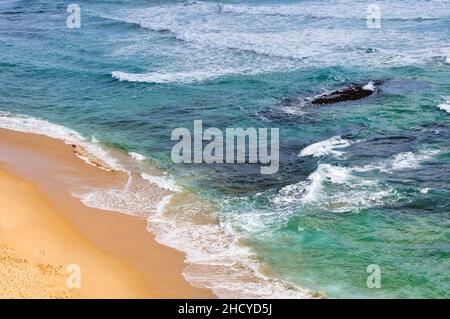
[[22, 123], [326, 147], [169, 77], [205, 246], [187, 77], [445, 106]]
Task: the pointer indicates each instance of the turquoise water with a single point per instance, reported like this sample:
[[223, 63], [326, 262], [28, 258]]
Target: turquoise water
[[374, 191]]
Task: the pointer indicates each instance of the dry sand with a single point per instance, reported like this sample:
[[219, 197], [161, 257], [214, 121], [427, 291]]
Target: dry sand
[[43, 229]]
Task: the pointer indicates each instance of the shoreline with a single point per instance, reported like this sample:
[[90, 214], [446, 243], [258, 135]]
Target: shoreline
[[52, 172]]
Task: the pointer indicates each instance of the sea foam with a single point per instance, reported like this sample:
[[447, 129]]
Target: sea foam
[[137, 156], [269, 41], [32, 125], [327, 147], [412, 160], [369, 86], [335, 189], [445, 106], [164, 182], [175, 77]]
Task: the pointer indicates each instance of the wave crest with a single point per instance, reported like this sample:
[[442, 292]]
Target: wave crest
[[327, 147], [89, 151]]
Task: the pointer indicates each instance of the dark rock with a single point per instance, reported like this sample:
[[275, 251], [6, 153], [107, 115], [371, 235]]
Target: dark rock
[[351, 93]]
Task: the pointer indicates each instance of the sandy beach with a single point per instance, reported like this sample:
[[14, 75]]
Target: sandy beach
[[44, 230]]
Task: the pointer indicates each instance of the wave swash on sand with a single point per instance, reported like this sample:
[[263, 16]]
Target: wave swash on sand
[[215, 258]]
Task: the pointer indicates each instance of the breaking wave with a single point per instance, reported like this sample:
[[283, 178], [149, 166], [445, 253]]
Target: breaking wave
[[327, 147], [175, 77], [209, 28], [445, 106], [92, 149], [349, 189], [336, 189]]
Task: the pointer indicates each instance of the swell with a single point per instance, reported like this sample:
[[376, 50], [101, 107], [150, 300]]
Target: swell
[[312, 11], [343, 189], [184, 37], [280, 51]]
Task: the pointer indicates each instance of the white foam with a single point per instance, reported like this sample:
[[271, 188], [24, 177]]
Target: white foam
[[311, 190], [292, 109], [411, 160], [445, 106], [356, 192], [137, 156], [326, 147], [380, 166], [324, 173], [160, 208], [218, 262], [164, 182], [291, 193], [401, 161], [41, 127], [369, 86], [138, 197], [32, 125], [209, 72], [170, 77], [215, 258], [270, 39], [446, 53], [334, 189], [110, 200], [339, 9]]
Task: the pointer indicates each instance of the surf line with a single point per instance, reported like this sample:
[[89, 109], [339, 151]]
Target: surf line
[[241, 146]]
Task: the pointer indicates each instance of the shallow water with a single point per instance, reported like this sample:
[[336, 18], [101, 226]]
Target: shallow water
[[373, 190]]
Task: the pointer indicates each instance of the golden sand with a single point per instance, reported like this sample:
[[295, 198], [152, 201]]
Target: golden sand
[[44, 229]]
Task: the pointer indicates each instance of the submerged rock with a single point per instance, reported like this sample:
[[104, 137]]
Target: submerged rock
[[82, 153], [351, 93]]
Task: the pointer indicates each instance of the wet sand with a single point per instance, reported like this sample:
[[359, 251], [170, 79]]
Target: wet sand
[[119, 258]]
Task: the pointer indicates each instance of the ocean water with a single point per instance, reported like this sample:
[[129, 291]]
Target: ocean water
[[360, 183]]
